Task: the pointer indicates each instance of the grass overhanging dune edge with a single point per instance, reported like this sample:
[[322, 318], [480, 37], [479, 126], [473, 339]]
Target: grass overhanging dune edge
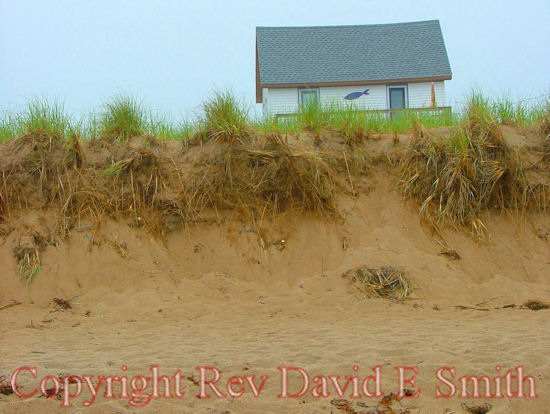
[[474, 169], [126, 166]]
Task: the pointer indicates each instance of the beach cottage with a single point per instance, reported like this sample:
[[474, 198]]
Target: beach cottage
[[383, 67]]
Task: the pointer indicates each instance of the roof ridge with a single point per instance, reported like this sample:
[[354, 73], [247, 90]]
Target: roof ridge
[[349, 25]]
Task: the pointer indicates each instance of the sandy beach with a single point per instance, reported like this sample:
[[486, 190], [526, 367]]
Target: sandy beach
[[213, 297]]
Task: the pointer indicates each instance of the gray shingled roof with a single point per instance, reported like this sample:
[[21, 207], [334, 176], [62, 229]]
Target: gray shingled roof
[[302, 55]]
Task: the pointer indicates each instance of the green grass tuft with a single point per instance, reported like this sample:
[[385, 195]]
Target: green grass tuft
[[28, 272], [8, 127], [43, 117], [122, 118], [509, 113], [224, 117], [313, 117]]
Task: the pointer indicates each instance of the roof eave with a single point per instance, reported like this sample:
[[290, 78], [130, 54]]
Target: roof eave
[[347, 83], [259, 97]]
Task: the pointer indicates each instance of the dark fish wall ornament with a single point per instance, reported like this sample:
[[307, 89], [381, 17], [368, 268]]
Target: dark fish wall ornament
[[355, 95]]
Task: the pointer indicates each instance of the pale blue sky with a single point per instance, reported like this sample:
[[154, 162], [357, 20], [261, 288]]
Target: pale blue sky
[[172, 54]]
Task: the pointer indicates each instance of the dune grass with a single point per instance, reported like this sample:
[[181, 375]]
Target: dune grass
[[224, 117], [7, 127], [164, 128], [44, 117], [122, 117], [39, 117], [509, 113]]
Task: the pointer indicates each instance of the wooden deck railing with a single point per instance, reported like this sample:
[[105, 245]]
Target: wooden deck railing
[[388, 113]]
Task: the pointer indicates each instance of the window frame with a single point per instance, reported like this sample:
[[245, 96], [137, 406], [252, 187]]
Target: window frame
[[404, 86], [306, 89]]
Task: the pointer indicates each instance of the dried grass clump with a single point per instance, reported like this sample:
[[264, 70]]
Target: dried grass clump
[[459, 177], [4, 208], [546, 151], [27, 254], [536, 305], [266, 177], [383, 282], [351, 163], [39, 170], [545, 127], [477, 409], [354, 135], [62, 304], [134, 186], [541, 118], [142, 181]]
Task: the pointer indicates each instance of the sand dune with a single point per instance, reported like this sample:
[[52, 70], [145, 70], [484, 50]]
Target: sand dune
[[219, 295]]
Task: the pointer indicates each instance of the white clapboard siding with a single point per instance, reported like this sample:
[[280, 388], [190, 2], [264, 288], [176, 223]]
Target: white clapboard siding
[[282, 100], [285, 100], [376, 99], [420, 94]]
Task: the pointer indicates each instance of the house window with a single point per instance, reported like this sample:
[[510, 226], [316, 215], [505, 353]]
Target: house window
[[308, 96]]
